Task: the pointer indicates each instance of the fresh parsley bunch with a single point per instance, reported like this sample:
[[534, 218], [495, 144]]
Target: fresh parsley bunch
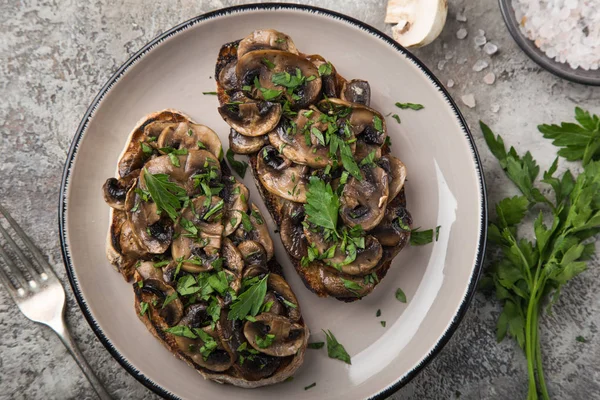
[[525, 273]]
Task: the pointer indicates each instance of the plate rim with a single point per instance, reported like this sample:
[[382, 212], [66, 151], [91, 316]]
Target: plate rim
[[63, 204]]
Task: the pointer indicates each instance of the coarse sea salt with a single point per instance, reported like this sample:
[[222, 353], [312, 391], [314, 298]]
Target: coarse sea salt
[[567, 31]]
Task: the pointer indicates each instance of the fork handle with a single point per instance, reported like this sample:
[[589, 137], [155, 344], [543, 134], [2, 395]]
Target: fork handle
[[61, 330]]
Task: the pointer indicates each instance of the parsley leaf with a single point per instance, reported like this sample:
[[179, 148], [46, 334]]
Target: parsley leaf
[[420, 238], [238, 166], [400, 296], [322, 204], [369, 159], [335, 349], [165, 193], [397, 118], [250, 301], [143, 307], [316, 345], [351, 286], [325, 69], [209, 93], [346, 153], [412, 106], [265, 342]]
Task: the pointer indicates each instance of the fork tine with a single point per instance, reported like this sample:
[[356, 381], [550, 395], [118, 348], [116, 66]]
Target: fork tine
[[18, 275], [33, 274], [7, 283], [44, 265]]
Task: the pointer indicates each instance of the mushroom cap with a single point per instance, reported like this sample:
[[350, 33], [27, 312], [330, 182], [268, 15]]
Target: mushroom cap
[[264, 64], [155, 289], [396, 171], [266, 39], [218, 360], [115, 190], [253, 253], [280, 176], [364, 202], [356, 91], [235, 195], [190, 136], [241, 144], [288, 336], [251, 118], [292, 230], [390, 231]]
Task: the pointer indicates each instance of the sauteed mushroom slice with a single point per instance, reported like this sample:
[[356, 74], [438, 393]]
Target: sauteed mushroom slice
[[155, 292], [280, 176], [395, 226], [154, 231], [233, 263], [363, 202], [356, 91], [343, 286], [198, 233], [292, 231], [205, 350], [115, 190], [396, 171], [277, 286], [367, 256], [190, 136], [235, 196], [253, 253], [266, 39], [328, 73], [366, 123], [134, 156], [241, 144], [302, 139], [255, 228], [268, 74], [251, 118], [147, 270], [274, 335]]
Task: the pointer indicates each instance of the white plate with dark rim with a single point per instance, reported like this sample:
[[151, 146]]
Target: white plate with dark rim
[[445, 187]]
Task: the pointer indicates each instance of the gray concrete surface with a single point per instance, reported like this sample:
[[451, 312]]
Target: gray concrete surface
[[56, 55]]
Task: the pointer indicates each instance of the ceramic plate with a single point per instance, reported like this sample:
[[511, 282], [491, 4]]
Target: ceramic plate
[[445, 187]]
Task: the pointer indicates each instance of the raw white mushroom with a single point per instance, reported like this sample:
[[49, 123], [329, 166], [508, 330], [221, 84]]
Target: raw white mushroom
[[419, 22]]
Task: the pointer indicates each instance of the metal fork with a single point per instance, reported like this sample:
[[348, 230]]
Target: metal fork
[[39, 294]]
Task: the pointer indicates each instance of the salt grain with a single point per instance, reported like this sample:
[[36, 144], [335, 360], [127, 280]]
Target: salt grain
[[461, 33], [480, 40], [441, 65], [469, 100], [490, 48], [450, 83], [460, 17], [567, 31], [495, 108], [489, 78], [480, 65]]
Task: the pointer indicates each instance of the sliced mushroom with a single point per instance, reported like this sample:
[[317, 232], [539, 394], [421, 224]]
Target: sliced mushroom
[[395, 226], [343, 286], [266, 39], [253, 253], [296, 140], [241, 144], [235, 195], [198, 234], [331, 81], [196, 162], [284, 294], [357, 91], [129, 243], [115, 190], [364, 121], [363, 202], [154, 231], [233, 263], [258, 232], [218, 360], [366, 259], [170, 313], [196, 316], [292, 231], [287, 337], [134, 156], [147, 270], [396, 171], [280, 176], [227, 76], [251, 118], [189, 136], [262, 65]]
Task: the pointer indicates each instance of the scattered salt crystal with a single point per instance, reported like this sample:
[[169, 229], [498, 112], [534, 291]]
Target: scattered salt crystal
[[489, 78], [450, 83], [495, 108], [449, 56], [565, 30], [469, 100], [480, 40], [461, 33], [490, 48], [480, 32], [461, 60], [480, 65], [441, 65], [460, 16]]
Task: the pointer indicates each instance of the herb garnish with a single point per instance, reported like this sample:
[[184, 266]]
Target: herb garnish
[[165, 193], [335, 349], [316, 345], [143, 307], [312, 385], [412, 106], [209, 93], [249, 301], [581, 339], [400, 296], [420, 238], [382, 323], [325, 69], [265, 342], [525, 273], [397, 118], [322, 204], [238, 166]]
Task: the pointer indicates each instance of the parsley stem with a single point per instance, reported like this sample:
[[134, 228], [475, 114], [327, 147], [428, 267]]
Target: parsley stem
[[538, 353]]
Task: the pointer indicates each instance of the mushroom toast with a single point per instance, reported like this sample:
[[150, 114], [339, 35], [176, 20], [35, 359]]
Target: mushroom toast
[[321, 159], [206, 283]]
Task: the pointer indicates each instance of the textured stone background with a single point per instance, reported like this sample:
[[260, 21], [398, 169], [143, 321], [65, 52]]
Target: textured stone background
[[56, 55]]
